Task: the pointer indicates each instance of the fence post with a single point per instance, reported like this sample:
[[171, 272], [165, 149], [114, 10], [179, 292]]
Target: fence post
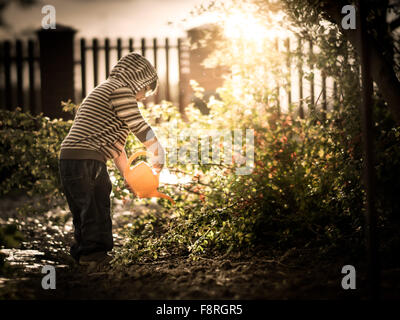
[[7, 75], [335, 95], [143, 47], [167, 69], [157, 95], [56, 69], [300, 70], [95, 51], [184, 63], [119, 48], [20, 78], [83, 67], [278, 103], [311, 66], [31, 66], [289, 82], [324, 102], [107, 56]]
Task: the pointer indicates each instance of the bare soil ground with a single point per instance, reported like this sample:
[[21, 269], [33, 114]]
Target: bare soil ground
[[294, 274]]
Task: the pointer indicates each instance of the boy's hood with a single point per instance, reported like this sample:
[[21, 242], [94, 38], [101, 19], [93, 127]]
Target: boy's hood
[[135, 71]]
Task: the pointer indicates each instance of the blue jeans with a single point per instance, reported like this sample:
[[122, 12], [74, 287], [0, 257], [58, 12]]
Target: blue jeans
[[87, 188]]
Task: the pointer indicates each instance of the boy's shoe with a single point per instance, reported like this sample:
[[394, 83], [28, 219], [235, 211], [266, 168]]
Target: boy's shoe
[[95, 259]]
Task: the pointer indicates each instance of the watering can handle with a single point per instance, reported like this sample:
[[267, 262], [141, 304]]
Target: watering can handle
[[133, 157]]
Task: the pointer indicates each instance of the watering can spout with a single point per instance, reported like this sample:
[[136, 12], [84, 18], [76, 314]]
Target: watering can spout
[[162, 195]]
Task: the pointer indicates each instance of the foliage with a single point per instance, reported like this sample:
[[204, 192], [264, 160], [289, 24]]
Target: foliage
[[10, 236], [29, 148], [309, 15], [305, 189]]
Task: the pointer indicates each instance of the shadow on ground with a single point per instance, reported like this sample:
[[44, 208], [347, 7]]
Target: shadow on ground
[[261, 275]]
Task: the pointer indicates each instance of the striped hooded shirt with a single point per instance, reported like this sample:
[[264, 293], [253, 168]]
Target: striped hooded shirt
[[110, 111]]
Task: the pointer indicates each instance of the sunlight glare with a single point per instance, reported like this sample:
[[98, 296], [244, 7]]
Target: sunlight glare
[[244, 26], [166, 177]]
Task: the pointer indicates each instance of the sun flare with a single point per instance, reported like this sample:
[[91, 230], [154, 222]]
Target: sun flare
[[244, 26]]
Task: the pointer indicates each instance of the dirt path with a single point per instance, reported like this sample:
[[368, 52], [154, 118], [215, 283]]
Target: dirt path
[[293, 275]]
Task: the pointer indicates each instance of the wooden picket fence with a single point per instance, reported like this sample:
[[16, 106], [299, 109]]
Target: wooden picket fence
[[22, 72], [20, 68]]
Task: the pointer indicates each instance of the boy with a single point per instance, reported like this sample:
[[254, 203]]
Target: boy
[[99, 133]]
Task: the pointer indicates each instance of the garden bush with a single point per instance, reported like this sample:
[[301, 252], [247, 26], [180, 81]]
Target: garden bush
[[305, 190], [29, 147]]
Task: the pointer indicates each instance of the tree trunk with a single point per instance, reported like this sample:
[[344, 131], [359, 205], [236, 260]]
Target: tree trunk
[[382, 70]]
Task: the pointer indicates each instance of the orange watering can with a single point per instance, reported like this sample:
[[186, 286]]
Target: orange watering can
[[142, 179]]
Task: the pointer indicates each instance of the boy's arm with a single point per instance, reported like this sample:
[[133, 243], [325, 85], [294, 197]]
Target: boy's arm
[[126, 108], [155, 147], [125, 105], [121, 162]]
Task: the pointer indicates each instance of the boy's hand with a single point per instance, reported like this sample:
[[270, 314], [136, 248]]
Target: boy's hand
[[157, 152], [128, 187], [157, 162], [158, 168]]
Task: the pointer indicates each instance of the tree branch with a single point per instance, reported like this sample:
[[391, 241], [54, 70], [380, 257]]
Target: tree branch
[[382, 71], [394, 24]]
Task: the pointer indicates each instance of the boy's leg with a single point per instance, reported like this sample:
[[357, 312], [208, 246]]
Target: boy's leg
[[96, 225], [87, 187]]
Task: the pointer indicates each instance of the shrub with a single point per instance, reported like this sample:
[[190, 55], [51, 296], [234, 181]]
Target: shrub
[[29, 147], [305, 191]]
